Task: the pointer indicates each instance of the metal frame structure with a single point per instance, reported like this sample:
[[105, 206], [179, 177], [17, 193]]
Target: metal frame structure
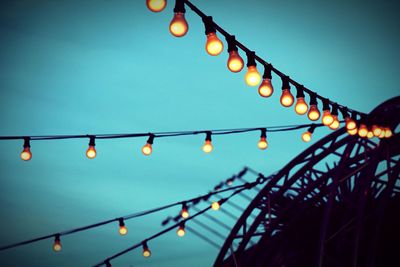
[[324, 208]]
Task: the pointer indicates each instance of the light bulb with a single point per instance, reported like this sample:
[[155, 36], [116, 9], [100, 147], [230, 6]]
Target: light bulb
[[335, 124], [156, 5], [178, 26], [388, 132], [207, 147], [376, 130], [350, 124], [146, 251], [327, 118], [252, 76], [147, 149], [26, 154], [266, 89], [91, 152], [235, 61], [122, 228], [306, 136], [262, 144], [370, 134], [363, 130], [287, 98], [184, 211], [352, 131], [214, 46], [215, 205], [57, 243], [313, 113], [181, 230], [301, 107], [383, 133]]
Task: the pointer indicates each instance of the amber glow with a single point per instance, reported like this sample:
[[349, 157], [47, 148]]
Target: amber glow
[[301, 107], [214, 46], [156, 5], [178, 26], [266, 89], [123, 230], [252, 76], [388, 133], [262, 144], [287, 98], [376, 130], [207, 147], [363, 130], [352, 131], [147, 149], [327, 118], [184, 213], [335, 124], [215, 205], [181, 231], [383, 133], [350, 124], [57, 245], [306, 136], [235, 61], [313, 113], [26, 154], [146, 252], [370, 134], [91, 152]]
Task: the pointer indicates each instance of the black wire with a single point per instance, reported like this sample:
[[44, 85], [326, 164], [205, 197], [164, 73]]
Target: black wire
[[263, 62]]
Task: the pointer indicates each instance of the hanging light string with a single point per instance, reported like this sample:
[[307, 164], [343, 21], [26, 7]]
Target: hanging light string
[[181, 224], [131, 216]]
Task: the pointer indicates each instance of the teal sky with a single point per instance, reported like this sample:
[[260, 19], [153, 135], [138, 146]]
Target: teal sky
[[89, 67]]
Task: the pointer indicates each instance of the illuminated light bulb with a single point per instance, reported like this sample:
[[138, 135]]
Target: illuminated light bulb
[[208, 147], [287, 98], [146, 251], [388, 132], [235, 62], [327, 118], [313, 113], [363, 130], [147, 149], [91, 151], [26, 153], [370, 134], [57, 243], [350, 123], [229, 181], [266, 89], [252, 76], [184, 211], [178, 26], [122, 228], [156, 5], [352, 131], [214, 46], [301, 107], [215, 205], [306, 136], [383, 133], [335, 124], [376, 130], [263, 144], [181, 230]]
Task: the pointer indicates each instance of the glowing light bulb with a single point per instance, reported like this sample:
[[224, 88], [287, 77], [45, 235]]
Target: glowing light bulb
[[208, 147], [146, 251], [327, 118], [57, 243], [147, 149], [178, 26], [262, 144], [335, 124], [184, 211], [383, 133], [388, 132], [313, 113], [181, 230], [122, 228], [266, 89], [235, 61], [91, 152], [26, 153], [376, 130], [214, 46], [301, 107], [352, 131], [370, 134], [252, 76], [350, 124], [156, 5], [363, 130], [287, 98], [306, 136], [215, 205]]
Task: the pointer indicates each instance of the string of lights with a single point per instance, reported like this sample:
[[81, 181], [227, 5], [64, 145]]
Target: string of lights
[[123, 230], [356, 121], [181, 225], [147, 149]]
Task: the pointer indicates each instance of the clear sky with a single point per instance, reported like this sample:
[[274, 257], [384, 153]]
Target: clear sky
[[87, 67]]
